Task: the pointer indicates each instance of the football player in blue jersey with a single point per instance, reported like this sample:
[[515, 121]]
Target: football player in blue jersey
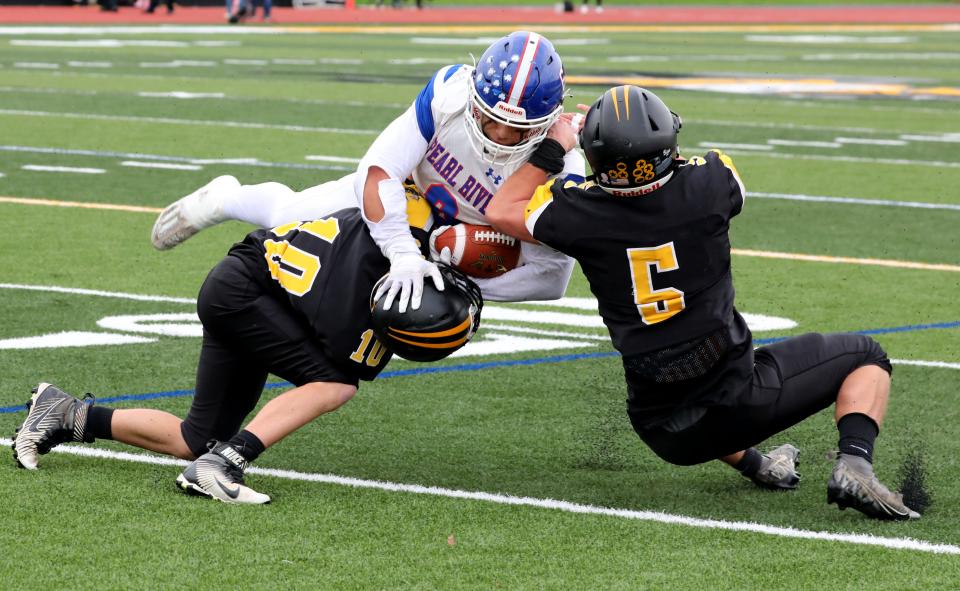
[[466, 132], [651, 235]]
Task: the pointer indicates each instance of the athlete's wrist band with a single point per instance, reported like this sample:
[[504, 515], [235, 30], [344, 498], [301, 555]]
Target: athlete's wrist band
[[548, 156]]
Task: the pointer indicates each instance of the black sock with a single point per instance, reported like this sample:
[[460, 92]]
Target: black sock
[[247, 444], [750, 464], [99, 423], [857, 434]]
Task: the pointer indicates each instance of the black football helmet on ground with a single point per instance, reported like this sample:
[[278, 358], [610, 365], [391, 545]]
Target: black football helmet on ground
[[629, 137], [445, 321]]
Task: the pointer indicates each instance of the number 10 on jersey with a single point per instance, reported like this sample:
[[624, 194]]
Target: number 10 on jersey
[[654, 305]]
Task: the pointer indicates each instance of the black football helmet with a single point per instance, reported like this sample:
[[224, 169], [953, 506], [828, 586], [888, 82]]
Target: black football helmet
[[445, 321], [629, 137]]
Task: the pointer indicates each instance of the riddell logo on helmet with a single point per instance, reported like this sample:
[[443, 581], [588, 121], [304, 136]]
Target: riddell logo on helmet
[[636, 190], [510, 110]]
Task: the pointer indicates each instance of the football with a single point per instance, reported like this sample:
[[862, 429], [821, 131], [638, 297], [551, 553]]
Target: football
[[477, 250]]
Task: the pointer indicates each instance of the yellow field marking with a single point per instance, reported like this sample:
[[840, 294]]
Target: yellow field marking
[[846, 260], [737, 251], [80, 204], [808, 85], [748, 28]]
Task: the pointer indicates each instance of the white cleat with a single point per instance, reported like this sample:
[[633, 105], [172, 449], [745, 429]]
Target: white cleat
[[779, 469], [218, 474], [853, 484], [185, 217]]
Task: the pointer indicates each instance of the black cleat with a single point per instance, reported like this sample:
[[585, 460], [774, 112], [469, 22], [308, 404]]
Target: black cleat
[[53, 417]]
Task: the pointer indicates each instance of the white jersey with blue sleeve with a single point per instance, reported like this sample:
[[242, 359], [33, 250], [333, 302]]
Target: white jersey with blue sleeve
[[457, 182], [430, 144]]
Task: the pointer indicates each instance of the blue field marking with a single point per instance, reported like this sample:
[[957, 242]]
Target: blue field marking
[[490, 364]]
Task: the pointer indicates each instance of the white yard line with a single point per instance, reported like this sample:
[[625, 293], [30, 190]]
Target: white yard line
[[802, 144], [852, 200], [73, 169], [869, 142], [537, 503], [161, 165], [173, 121], [731, 146]]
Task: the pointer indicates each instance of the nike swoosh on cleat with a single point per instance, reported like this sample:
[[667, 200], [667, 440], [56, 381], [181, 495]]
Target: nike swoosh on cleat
[[33, 425], [232, 493]]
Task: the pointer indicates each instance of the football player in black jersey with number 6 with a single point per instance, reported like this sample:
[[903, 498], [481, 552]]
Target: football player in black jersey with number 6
[[651, 235]]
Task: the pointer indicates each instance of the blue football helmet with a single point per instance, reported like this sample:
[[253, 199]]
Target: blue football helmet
[[518, 82]]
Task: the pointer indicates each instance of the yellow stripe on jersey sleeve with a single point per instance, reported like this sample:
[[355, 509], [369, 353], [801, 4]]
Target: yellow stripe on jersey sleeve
[[541, 196], [728, 163], [541, 199]]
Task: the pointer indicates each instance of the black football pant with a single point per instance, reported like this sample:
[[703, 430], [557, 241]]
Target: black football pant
[[792, 380], [249, 331]]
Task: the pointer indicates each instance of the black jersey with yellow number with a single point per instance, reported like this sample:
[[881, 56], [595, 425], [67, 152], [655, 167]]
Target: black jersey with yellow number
[[659, 264], [326, 269]]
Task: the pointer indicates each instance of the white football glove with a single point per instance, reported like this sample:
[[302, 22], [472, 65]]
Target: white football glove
[[444, 255], [407, 271]]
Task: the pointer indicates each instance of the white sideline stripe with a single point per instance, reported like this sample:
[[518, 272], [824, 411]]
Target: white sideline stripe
[[97, 292], [173, 121], [853, 200], [42, 168], [163, 165], [919, 363], [557, 505]]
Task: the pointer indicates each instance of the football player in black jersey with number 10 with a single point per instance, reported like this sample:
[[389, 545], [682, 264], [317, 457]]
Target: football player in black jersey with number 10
[[294, 301], [651, 235]]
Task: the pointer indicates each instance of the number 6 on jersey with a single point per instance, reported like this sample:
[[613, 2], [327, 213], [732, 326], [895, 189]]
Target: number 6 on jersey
[[655, 305]]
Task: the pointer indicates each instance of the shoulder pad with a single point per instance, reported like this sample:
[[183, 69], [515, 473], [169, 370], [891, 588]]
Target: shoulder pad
[[452, 86]]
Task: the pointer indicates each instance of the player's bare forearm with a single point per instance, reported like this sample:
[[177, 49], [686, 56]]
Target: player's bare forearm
[[372, 204], [505, 212]]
